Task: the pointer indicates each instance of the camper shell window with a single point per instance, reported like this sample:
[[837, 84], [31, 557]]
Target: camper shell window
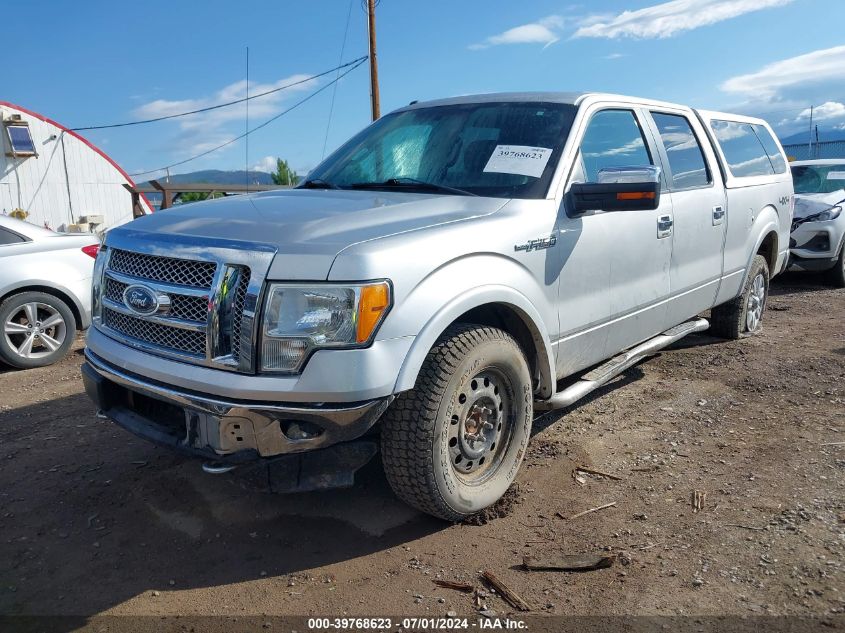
[[20, 140], [748, 148]]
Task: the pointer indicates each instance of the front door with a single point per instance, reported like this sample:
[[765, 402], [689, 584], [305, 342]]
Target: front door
[[619, 266]]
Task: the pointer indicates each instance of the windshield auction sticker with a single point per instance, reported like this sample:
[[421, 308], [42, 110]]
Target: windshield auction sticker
[[522, 160]]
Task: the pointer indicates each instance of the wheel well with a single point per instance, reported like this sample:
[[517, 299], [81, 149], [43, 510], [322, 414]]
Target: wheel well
[[505, 317], [769, 250], [50, 291]]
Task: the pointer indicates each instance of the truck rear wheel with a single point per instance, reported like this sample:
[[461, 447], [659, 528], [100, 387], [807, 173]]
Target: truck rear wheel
[[452, 445], [743, 315]]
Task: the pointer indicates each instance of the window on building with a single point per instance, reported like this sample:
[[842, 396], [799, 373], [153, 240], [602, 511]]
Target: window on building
[[686, 160], [20, 140]]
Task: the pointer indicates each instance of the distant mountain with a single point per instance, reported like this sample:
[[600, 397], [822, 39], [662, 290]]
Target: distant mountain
[[829, 134], [214, 176]]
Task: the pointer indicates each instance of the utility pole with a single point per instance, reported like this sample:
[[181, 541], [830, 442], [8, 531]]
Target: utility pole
[[374, 95], [810, 140]]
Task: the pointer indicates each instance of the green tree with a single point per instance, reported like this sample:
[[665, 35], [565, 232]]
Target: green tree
[[196, 196], [284, 175]]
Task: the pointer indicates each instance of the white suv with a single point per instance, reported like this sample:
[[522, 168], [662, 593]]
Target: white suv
[[818, 226]]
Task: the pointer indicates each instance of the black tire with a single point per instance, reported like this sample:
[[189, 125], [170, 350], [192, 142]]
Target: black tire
[[731, 320], [471, 369], [47, 343], [837, 273]]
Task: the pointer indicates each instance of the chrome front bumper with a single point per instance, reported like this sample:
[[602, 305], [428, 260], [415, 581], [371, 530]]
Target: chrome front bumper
[[216, 428]]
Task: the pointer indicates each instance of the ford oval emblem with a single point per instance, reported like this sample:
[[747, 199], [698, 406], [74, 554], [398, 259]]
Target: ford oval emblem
[[141, 300]]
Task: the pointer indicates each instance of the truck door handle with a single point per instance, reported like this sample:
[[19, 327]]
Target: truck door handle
[[664, 226], [718, 214]]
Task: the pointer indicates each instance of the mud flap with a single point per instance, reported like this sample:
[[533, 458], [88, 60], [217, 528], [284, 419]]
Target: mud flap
[[324, 469]]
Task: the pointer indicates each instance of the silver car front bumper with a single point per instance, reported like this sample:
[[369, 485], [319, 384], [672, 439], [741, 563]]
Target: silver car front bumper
[[217, 428]]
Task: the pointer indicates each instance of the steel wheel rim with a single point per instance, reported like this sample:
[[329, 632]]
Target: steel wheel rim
[[34, 330], [481, 426], [756, 303]]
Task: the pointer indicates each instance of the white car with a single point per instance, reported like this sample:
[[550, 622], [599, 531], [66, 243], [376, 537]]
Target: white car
[[818, 225], [45, 291]]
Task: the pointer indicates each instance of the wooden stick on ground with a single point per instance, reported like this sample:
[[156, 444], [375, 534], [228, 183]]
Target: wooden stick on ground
[[580, 514], [592, 471], [453, 584], [584, 562], [506, 592]]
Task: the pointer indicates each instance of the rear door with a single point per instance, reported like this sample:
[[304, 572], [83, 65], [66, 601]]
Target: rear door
[[699, 208]]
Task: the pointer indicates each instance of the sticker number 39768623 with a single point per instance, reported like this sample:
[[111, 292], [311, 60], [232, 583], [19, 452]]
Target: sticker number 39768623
[[522, 160]]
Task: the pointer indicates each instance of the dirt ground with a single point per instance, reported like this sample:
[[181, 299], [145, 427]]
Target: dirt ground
[[95, 521]]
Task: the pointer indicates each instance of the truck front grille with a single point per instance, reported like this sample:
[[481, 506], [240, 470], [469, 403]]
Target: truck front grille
[[184, 272], [189, 308], [165, 336], [205, 322], [238, 310]]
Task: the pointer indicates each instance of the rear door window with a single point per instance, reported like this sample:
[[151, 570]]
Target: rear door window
[[686, 159], [613, 139], [10, 237], [743, 150]]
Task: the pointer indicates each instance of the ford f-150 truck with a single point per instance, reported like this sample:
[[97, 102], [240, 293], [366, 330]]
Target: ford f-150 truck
[[450, 269]]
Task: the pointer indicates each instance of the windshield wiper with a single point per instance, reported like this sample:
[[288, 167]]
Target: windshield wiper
[[413, 183], [317, 183]]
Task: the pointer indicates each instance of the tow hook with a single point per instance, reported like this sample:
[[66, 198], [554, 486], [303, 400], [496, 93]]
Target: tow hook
[[217, 468]]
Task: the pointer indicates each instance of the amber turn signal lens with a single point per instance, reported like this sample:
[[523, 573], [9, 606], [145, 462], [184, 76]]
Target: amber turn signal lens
[[374, 302], [636, 195]]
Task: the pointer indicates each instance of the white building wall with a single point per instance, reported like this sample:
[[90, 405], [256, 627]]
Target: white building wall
[[67, 180]]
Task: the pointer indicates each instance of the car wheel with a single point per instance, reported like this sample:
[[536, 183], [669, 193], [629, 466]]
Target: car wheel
[[453, 444], [38, 330], [837, 273], [743, 315]]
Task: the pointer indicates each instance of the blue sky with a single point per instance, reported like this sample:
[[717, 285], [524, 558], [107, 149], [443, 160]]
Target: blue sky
[[102, 62]]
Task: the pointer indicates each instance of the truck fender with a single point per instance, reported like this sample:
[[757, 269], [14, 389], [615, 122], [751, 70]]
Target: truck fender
[[767, 221], [475, 298]]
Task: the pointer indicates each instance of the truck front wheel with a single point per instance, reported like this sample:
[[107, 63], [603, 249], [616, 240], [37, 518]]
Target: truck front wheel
[[453, 444]]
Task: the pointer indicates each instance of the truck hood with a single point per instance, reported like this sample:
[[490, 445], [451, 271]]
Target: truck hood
[[308, 228], [809, 203]]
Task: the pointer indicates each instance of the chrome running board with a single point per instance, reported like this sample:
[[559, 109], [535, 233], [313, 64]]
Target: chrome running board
[[603, 374]]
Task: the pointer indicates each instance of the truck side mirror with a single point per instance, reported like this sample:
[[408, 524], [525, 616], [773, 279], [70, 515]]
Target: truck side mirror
[[618, 189]]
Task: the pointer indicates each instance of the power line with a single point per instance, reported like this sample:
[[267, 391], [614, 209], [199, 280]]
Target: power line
[[222, 105], [334, 90], [356, 63]]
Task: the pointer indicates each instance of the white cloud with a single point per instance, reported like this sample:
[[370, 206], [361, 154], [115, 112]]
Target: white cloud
[[545, 31], [614, 56], [201, 132], [670, 18], [824, 112], [268, 164], [822, 66]]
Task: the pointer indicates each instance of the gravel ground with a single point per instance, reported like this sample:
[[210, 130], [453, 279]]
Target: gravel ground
[[95, 521]]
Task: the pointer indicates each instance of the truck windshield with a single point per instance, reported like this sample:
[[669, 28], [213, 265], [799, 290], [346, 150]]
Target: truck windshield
[[504, 150], [818, 178]]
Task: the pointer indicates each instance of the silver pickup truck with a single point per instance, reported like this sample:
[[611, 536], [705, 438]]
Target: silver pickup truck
[[452, 268]]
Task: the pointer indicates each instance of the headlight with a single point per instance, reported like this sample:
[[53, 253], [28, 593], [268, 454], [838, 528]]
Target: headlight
[[301, 318], [830, 214]]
